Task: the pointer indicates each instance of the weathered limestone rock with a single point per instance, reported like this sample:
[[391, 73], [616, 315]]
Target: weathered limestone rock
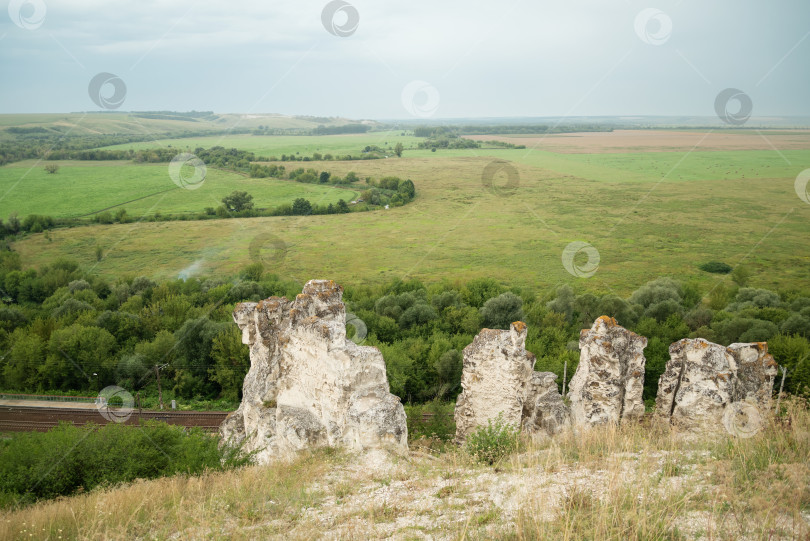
[[608, 384], [308, 385], [495, 374], [756, 371], [706, 386], [498, 379], [543, 408], [697, 384]]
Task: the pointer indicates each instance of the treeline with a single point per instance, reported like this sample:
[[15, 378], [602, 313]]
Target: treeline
[[33, 223], [450, 141], [62, 329], [189, 116], [56, 143], [320, 130], [503, 144], [496, 129], [337, 130], [217, 156]]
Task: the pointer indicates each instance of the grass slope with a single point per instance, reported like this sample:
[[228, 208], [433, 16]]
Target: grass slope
[[458, 228], [81, 188], [635, 482]]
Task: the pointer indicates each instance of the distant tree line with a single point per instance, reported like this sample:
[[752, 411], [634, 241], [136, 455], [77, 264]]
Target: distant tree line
[[57, 143], [502, 144], [500, 129], [59, 326], [189, 116]]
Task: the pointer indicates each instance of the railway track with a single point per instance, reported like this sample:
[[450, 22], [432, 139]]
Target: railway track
[[18, 418]]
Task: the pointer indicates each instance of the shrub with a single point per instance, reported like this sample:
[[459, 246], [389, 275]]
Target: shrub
[[492, 443], [716, 267], [37, 465], [660, 289], [498, 312]]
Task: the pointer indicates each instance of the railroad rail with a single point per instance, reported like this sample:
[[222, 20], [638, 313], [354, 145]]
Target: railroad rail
[[23, 418]]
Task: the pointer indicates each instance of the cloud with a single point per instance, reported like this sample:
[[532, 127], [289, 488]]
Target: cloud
[[510, 58]]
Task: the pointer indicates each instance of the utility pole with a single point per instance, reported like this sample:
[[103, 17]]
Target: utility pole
[[160, 392], [565, 375], [782, 386]]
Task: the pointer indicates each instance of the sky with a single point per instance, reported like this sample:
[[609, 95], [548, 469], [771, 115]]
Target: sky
[[386, 59]]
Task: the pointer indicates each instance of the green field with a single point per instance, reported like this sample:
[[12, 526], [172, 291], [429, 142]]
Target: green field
[[648, 214], [81, 188]]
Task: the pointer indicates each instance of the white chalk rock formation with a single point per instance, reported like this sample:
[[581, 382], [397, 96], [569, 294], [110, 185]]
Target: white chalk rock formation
[[496, 371], [308, 385], [544, 411], [756, 371], [608, 384], [498, 380], [707, 387]]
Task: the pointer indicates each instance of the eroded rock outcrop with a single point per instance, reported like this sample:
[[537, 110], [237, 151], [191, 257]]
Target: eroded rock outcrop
[[498, 380], [308, 385], [756, 371], [707, 387], [544, 411], [496, 370], [608, 384]]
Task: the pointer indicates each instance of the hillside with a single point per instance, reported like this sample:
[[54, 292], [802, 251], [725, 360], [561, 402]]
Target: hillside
[[630, 483]]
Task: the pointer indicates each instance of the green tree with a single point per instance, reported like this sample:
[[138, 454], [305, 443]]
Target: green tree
[[195, 342], [253, 272], [75, 353], [398, 148], [231, 362], [563, 302], [741, 275], [406, 188], [21, 362], [323, 178], [51, 168], [499, 312], [301, 207], [238, 201], [342, 207]]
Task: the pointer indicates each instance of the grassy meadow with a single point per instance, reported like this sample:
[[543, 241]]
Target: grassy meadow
[[648, 214], [266, 145], [81, 188]]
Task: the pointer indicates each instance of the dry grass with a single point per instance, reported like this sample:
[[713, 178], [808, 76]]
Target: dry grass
[[631, 482], [638, 211], [656, 141]]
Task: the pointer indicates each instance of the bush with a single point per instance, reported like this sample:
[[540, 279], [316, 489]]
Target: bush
[[658, 290], [716, 267], [67, 459], [492, 443], [499, 312]]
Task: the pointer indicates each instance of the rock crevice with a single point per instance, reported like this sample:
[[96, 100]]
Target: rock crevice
[[707, 386]]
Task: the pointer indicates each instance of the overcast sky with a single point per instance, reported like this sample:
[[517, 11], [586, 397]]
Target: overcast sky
[[480, 59]]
